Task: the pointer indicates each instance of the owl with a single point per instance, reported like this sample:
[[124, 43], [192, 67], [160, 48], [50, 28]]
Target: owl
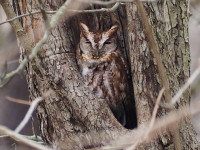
[[103, 67]]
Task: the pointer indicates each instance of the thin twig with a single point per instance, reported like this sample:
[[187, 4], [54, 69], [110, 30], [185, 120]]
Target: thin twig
[[153, 118], [102, 2], [160, 125], [25, 60], [192, 78], [24, 15], [44, 14], [53, 22], [19, 101], [12, 62], [4, 136], [16, 25], [37, 139], [21, 35], [28, 114], [22, 139], [30, 111], [109, 2], [53, 12], [155, 110], [112, 9]]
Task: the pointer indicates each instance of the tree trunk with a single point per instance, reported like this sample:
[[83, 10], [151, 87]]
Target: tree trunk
[[169, 22], [72, 109]]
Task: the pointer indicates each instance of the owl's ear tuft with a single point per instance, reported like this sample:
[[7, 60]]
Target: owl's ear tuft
[[113, 30], [84, 29]]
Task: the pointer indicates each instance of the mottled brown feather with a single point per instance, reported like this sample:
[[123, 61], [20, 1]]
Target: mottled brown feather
[[107, 75]]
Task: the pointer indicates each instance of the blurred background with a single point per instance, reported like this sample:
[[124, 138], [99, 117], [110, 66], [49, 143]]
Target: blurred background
[[194, 37], [12, 113]]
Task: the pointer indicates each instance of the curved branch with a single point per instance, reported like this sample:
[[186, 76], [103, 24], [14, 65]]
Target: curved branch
[[24, 40], [114, 7], [22, 139]]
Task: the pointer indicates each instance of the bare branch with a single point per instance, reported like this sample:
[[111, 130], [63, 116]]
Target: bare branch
[[44, 14], [16, 25], [37, 139], [25, 61], [30, 111], [128, 139], [11, 62], [153, 118], [22, 139], [18, 101], [112, 9], [192, 78], [102, 2], [155, 110], [53, 22], [166, 122], [24, 15], [109, 2]]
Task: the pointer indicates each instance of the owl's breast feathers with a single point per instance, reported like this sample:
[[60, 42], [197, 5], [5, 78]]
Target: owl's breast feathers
[[106, 77], [103, 67]]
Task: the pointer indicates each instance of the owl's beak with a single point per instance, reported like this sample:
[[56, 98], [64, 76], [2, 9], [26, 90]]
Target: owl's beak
[[96, 54]]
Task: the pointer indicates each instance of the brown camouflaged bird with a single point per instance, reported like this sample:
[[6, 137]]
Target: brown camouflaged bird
[[103, 67]]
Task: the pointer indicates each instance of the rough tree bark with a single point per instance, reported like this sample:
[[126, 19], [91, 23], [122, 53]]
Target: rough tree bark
[[169, 20], [71, 109]]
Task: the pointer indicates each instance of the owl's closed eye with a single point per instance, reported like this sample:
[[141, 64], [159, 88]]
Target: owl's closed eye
[[99, 44]]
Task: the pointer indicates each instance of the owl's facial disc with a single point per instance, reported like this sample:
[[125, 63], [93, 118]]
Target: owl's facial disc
[[98, 45]]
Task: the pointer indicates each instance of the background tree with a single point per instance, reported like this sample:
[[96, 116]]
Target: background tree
[[71, 109]]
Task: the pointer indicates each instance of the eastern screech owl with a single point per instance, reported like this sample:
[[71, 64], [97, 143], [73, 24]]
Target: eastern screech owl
[[103, 67]]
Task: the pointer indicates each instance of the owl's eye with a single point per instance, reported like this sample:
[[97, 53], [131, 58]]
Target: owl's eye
[[87, 42], [107, 42]]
